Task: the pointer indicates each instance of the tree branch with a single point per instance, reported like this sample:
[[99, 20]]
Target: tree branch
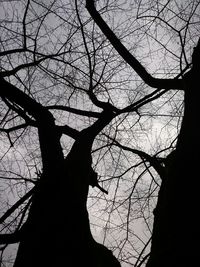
[[16, 205], [10, 238], [20, 112], [49, 144], [128, 57], [65, 129], [76, 111], [14, 95], [12, 51], [22, 66], [152, 160], [14, 128]]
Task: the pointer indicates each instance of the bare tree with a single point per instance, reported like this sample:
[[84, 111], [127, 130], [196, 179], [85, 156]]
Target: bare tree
[[74, 115], [175, 231]]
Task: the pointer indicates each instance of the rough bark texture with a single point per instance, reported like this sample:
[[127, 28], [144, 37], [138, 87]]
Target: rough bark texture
[[176, 229]]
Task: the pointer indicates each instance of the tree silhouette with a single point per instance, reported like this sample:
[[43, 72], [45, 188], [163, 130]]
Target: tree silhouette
[[78, 152], [175, 233]]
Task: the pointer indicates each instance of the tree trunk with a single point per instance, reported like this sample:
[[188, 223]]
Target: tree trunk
[[57, 231], [176, 229]]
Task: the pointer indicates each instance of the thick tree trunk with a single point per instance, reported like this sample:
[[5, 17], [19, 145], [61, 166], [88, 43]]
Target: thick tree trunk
[[57, 231], [176, 230]]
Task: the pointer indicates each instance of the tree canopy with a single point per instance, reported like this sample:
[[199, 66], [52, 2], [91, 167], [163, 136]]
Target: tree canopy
[[98, 83]]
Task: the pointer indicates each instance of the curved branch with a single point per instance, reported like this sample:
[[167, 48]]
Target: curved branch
[[22, 66], [49, 144], [128, 57], [12, 51]]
